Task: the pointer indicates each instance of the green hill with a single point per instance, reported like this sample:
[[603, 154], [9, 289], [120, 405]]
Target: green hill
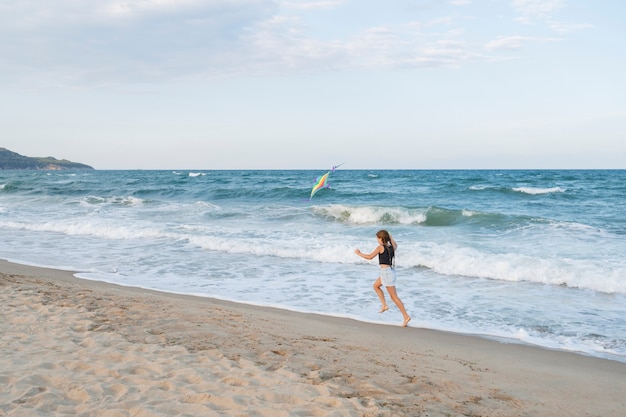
[[12, 160]]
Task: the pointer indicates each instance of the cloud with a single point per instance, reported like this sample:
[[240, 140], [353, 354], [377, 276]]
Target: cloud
[[514, 42], [432, 42], [563, 28], [91, 42], [312, 5], [137, 8], [102, 42], [532, 10]]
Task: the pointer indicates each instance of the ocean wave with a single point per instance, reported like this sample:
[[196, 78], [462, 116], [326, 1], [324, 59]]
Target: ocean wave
[[12, 187], [113, 200], [518, 190], [416, 216], [538, 191], [361, 215], [453, 260], [87, 228], [446, 259], [442, 259]]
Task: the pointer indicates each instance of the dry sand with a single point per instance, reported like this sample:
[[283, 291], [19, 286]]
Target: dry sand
[[84, 348]]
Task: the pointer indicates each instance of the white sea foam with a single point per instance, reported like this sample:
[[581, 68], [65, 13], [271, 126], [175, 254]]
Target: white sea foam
[[372, 214], [447, 259], [120, 200], [524, 190], [479, 187], [539, 191], [206, 205], [452, 260], [87, 228]]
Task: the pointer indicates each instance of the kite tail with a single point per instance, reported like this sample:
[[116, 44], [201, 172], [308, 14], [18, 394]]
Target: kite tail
[[335, 167]]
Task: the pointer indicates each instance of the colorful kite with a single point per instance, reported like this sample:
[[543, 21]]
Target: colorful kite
[[322, 182]]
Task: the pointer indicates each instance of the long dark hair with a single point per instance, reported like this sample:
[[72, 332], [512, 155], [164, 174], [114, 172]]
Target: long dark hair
[[384, 236]]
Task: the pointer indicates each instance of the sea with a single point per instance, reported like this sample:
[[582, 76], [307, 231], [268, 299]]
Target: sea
[[520, 256]]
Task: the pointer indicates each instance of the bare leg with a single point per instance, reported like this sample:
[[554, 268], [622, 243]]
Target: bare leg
[[394, 296], [381, 295]]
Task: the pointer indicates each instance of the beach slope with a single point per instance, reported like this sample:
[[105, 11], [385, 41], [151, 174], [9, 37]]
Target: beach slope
[[84, 348]]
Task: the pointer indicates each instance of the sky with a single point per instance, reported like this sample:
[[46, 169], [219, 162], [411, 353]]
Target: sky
[[286, 84]]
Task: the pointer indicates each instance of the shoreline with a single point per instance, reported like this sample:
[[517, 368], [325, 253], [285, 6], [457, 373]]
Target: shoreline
[[63, 274], [82, 347]]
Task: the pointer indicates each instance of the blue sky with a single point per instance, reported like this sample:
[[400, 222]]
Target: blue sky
[[256, 84]]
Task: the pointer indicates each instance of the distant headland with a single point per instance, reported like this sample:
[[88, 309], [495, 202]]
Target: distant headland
[[12, 160]]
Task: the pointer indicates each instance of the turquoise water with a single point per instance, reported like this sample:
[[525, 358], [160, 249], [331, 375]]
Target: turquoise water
[[523, 256]]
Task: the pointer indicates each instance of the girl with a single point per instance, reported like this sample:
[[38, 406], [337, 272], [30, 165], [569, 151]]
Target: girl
[[386, 251]]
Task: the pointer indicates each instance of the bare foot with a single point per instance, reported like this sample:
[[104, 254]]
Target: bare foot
[[406, 321], [383, 309]]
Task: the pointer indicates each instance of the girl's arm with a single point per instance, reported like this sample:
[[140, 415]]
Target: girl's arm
[[369, 256]]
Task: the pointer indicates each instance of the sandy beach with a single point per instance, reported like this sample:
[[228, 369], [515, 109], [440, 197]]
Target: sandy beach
[[84, 348]]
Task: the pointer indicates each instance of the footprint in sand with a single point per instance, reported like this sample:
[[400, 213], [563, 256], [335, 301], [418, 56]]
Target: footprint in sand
[[77, 394], [166, 386], [235, 382], [116, 391], [196, 398]]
